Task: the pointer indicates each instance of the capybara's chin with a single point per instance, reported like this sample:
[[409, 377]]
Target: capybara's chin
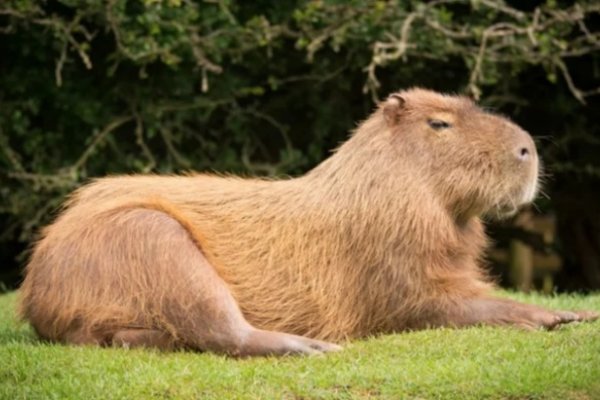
[[509, 204]]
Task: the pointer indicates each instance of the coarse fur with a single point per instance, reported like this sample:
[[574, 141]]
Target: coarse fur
[[383, 236]]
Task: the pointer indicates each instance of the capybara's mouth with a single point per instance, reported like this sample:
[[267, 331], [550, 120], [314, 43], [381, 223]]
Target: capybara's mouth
[[503, 210], [531, 190], [513, 202], [508, 210]]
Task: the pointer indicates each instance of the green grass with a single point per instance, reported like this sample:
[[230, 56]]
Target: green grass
[[455, 364]]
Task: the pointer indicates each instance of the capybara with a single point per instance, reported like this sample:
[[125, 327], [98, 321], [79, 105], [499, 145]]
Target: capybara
[[383, 236]]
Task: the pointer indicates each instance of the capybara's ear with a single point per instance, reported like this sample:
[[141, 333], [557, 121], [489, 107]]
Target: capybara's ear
[[392, 108]]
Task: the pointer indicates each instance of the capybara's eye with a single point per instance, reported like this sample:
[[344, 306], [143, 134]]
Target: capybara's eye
[[438, 124]]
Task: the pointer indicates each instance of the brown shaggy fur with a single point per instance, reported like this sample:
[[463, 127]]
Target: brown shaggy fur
[[383, 236]]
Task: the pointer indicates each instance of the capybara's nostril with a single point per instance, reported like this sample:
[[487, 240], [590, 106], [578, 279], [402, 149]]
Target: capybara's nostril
[[523, 153]]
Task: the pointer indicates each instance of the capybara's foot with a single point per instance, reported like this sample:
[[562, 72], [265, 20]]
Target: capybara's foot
[[535, 317], [490, 311], [262, 343], [587, 316]]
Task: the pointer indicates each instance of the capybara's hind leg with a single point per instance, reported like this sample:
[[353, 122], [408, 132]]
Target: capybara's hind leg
[[191, 298]]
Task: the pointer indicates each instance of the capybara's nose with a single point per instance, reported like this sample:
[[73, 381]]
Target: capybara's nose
[[525, 148], [523, 153]]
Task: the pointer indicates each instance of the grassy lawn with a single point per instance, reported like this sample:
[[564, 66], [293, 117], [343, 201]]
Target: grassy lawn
[[456, 364]]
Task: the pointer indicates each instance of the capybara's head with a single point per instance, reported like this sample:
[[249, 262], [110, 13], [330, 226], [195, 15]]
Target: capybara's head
[[475, 161]]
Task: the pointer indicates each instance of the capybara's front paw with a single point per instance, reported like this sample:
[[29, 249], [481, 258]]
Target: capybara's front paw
[[587, 316], [512, 313], [550, 319], [535, 318]]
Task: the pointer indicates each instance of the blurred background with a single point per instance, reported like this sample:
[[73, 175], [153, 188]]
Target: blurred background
[[96, 87]]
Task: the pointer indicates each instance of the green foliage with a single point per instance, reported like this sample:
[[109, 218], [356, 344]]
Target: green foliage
[[476, 363], [93, 87]]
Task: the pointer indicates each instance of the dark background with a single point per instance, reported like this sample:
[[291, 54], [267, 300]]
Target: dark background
[[90, 88]]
